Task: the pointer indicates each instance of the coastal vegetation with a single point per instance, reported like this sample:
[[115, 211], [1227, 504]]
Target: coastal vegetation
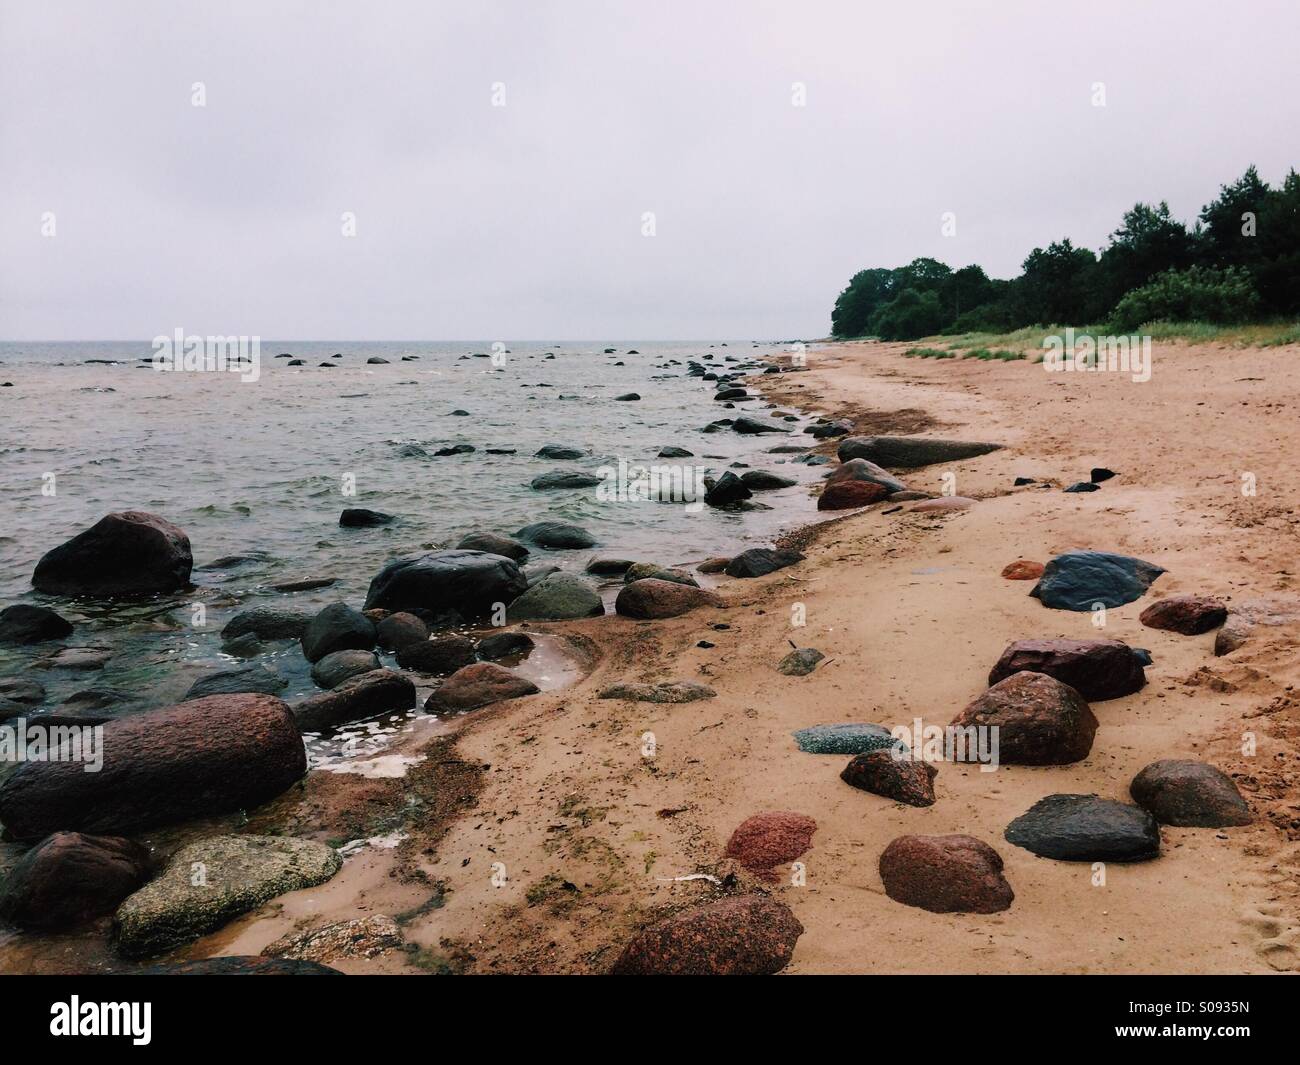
[[1237, 264]]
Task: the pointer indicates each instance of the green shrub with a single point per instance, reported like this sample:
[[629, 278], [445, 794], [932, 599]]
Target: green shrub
[[1197, 294]]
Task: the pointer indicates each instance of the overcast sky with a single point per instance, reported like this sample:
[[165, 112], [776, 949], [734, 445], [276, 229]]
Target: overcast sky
[[525, 221]]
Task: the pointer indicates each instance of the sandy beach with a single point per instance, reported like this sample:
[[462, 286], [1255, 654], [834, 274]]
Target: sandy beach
[[565, 822]]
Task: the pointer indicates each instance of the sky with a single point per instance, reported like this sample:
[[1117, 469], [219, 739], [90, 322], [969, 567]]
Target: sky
[[565, 169]]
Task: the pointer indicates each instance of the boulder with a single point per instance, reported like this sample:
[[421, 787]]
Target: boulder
[[400, 629], [125, 554], [639, 571], [557, 535], [654, 598], [845, 495], [470, 583], [767, 840], [1082, 486], [360, 518], [558, 451], [1096, 669], [909, 452], [728, 489], [335, 668], [238, 874], [1040, 721], [200, 758], [564, 479], [1190, 615], [478, 540], [753, 426], [478, 685], [609, 567], [942, 505], [559, 597], [438, 657], [337, 628], [869, 472], [1235, 631], [1078, 580], [945, 874], [670, 452], [504, 645], [800, 662], [760, 561], [1189, 794], [713, 565], [627, 397], [267, 623], [666, 691], [381, 691], [846, 738], [1022, 570], [70, 878], [749, 935], [250, 679], [23, 624], [763, 481], [1086, 828], [903, 779]]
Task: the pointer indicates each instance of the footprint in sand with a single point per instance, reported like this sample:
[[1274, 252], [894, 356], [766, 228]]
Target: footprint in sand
[[1279, 943]]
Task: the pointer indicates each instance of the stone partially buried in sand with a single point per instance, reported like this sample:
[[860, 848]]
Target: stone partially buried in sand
[[906, 779], [652, 598], [750, 935], [70, 878], [240, 873], [1096, 669], [800, 662], [760, 561], [909, 452], [125, 554], [1189, 615], [1039, 721], [945, 874], [766, 840], [666, 691], [1189, 794], [200, 758], [1086, 828], [480, 684], [1079, 580]]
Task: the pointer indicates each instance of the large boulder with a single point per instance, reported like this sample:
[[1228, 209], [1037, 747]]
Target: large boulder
[[894, 775], [760, 561], [868, 472], [564, 479], [361, 518], [749, 935], [1189, 794], [1086, 828], [493, 544], [762, 842], [439, 656], [381, 691], [1189, 615], [337, 628], [765, 481], [125, 554], [652, 598], [468, 582], [70, 878], [23, 623], [258, 678], [1039, 721], [557, 535], [478, 685], [845, 495], [213, 881], [559, 597], [398, 630], [726, 490], [945, 874], [196, 759], [909, 452], [267, 623], [1079, 580], [1096, 669]]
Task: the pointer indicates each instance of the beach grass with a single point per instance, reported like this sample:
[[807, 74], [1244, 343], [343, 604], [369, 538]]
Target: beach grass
[[1030, 339]]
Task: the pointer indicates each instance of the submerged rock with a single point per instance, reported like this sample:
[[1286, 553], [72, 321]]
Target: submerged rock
[[254, 679], [750, 935], [1079, 580], [25, 624], [267, 623], [360, 518], [70, 878], [654, 598], [125, 554], [470, 583], [239, 873], [1189, 794], [909, 452], [1086, 828], [196, 759], [1040, 721], [556, 535], [666, 691], [381, 691], [945, 874], [480, 684], [559, 597], [1190, 615], [439, 657], [903, 779], [564, 479], [504, 645], [558, 451], [1096, 669]]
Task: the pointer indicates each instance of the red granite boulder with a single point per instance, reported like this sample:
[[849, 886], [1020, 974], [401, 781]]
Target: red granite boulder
[[70, 878], [1040, 721], [901, 779], [766, 840], [749, 935], [945, 874], [1189, 615], [1096, 669]]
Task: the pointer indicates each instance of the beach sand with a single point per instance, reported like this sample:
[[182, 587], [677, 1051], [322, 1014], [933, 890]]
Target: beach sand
[[560, 837]]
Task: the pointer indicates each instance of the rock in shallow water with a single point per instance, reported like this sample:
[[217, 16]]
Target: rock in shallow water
[[240, 964], [365, 695], [70, 878], [493, 544], [398, 630], [1086, 828], [335, 668], [197, 759], [1189, 794], [260, 679], [945, 874], [504, 645], [564, 479], [360, 518], [267, 623], [557, 535], [1078, 580], [239, 873], [337, 628], [1039, 721], [1096, 669], [559, 597], [467, 582], [125, 554], [439, 656], [751, 935], [23, 623]]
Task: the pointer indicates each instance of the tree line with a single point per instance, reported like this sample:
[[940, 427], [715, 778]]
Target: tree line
[[1239, 262]]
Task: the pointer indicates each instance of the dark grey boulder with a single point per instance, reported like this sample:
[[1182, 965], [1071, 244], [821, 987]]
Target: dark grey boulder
[[233, 681], [504, 645], [23, 623], [1078, 580], [1086, 828], [125, 554], [627, 397], [337, 628], [544, 482], [728, 489], [557, 535], [493, 544], [470, 583], [559, 597], [753, 427], [267, 623], [558, 451], [335, 668], [671, 452], [1189, 794], [360, 518], [763, 481], [909, 452], [397, 630], [440, 656], [609, 567], [760, 561]]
